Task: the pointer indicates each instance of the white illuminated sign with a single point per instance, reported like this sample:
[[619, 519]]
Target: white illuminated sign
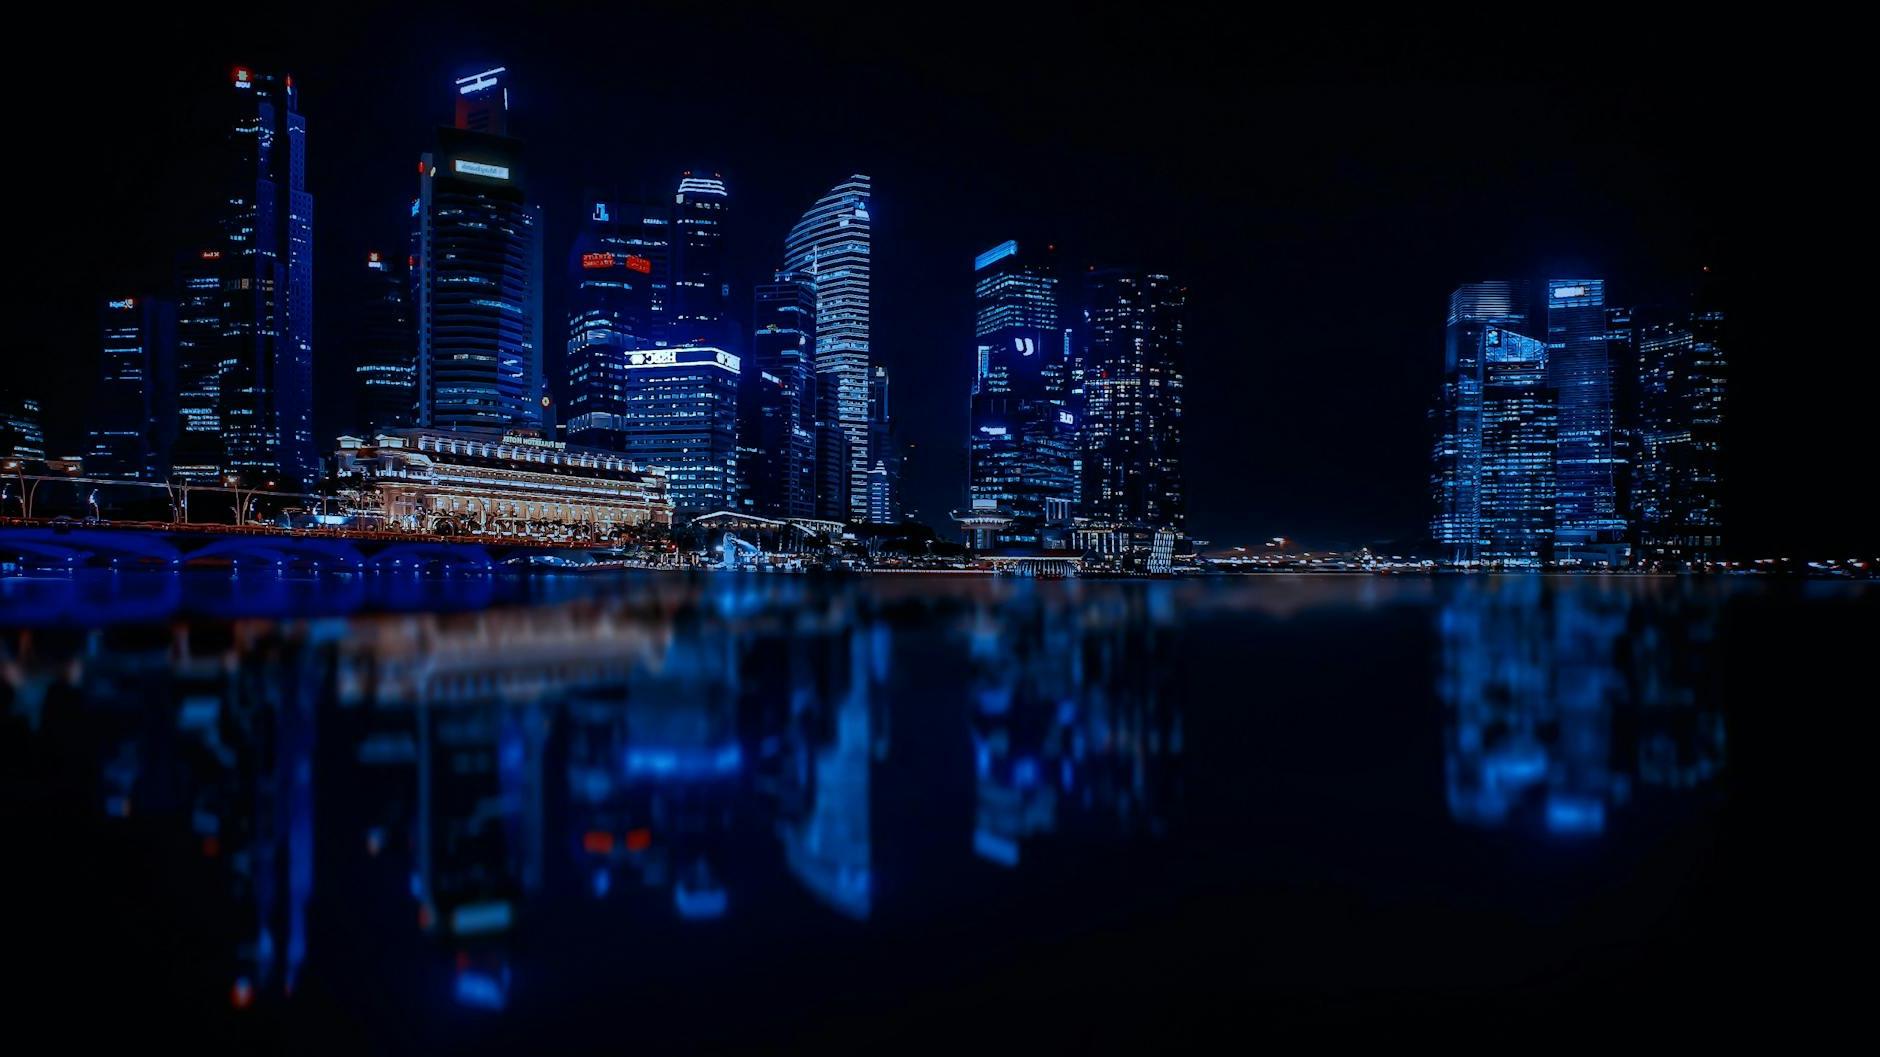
[[477, 82], [477, 168], [1570, 291]]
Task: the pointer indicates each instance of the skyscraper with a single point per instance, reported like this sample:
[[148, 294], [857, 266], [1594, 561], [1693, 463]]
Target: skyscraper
[[777, 424], [1682, 370], [609, 314], [265, 389], [22, 434], [198, 452], [682, 414], [132, 411], [1023, 432], [1474, 310], [479, 264], [701, 296], [884, 506], [1132, 428], [830, 248], [1518, 437], [385, 364], [1589, 524]]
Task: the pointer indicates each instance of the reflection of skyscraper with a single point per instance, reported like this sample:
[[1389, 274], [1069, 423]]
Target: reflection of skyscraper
[[1589, 524], [829, 847], [1072, 724], [265, 391], [479, 257], [830, 248], [1535, 681], [1023, 432]]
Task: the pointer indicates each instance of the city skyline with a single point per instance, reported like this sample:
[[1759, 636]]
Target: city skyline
[[1295, 474]]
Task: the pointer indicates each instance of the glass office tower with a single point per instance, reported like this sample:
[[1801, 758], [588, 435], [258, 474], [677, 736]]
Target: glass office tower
[[1474, 310], [479, 263], [132, 411], [777, 431], [884, 477], [1133, 380], [265, 384], [1516, 488], [682, 414], [385, 368], [1589, 523], [1022, 439], [1682, 371], [701, 295], [830, 248], [609, 314], [198, 452]]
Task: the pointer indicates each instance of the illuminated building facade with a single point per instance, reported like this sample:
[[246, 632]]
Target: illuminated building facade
[[1133, 378], [198, 452], [617, 289], [682, 414], [777, 426], [479, 263], [385, 367], [1023, 431], [22, 434], [1474, 310], [884, 477], [830, 248], [1589, 523], [1517, 441], [130, 412], [487, 482], [265, 388], [1682, 370]]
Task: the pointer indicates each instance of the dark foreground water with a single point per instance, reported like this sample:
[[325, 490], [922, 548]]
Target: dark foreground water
[[656, 813]]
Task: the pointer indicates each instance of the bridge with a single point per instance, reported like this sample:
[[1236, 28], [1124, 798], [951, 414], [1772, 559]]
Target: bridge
[[79, 545]]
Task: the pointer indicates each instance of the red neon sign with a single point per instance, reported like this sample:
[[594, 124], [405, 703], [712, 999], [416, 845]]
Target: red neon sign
[[640, 264], [597, 260]]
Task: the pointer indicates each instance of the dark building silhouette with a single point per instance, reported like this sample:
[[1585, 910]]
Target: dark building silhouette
[[385, 364], [1132, 428], [132, 408]]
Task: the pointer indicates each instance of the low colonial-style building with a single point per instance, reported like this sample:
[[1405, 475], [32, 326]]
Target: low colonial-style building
[[490, 483]]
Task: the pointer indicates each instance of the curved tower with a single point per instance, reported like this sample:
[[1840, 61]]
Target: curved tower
[[830, 249]]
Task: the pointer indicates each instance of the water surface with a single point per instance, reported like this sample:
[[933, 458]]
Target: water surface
[[675, 812]]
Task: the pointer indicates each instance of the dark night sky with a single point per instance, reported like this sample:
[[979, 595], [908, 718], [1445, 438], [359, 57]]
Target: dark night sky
[[1321, 188]]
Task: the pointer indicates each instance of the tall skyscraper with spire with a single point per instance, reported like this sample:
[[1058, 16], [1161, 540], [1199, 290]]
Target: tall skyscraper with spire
[[478, 281], [265, 268], [830, 248]]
